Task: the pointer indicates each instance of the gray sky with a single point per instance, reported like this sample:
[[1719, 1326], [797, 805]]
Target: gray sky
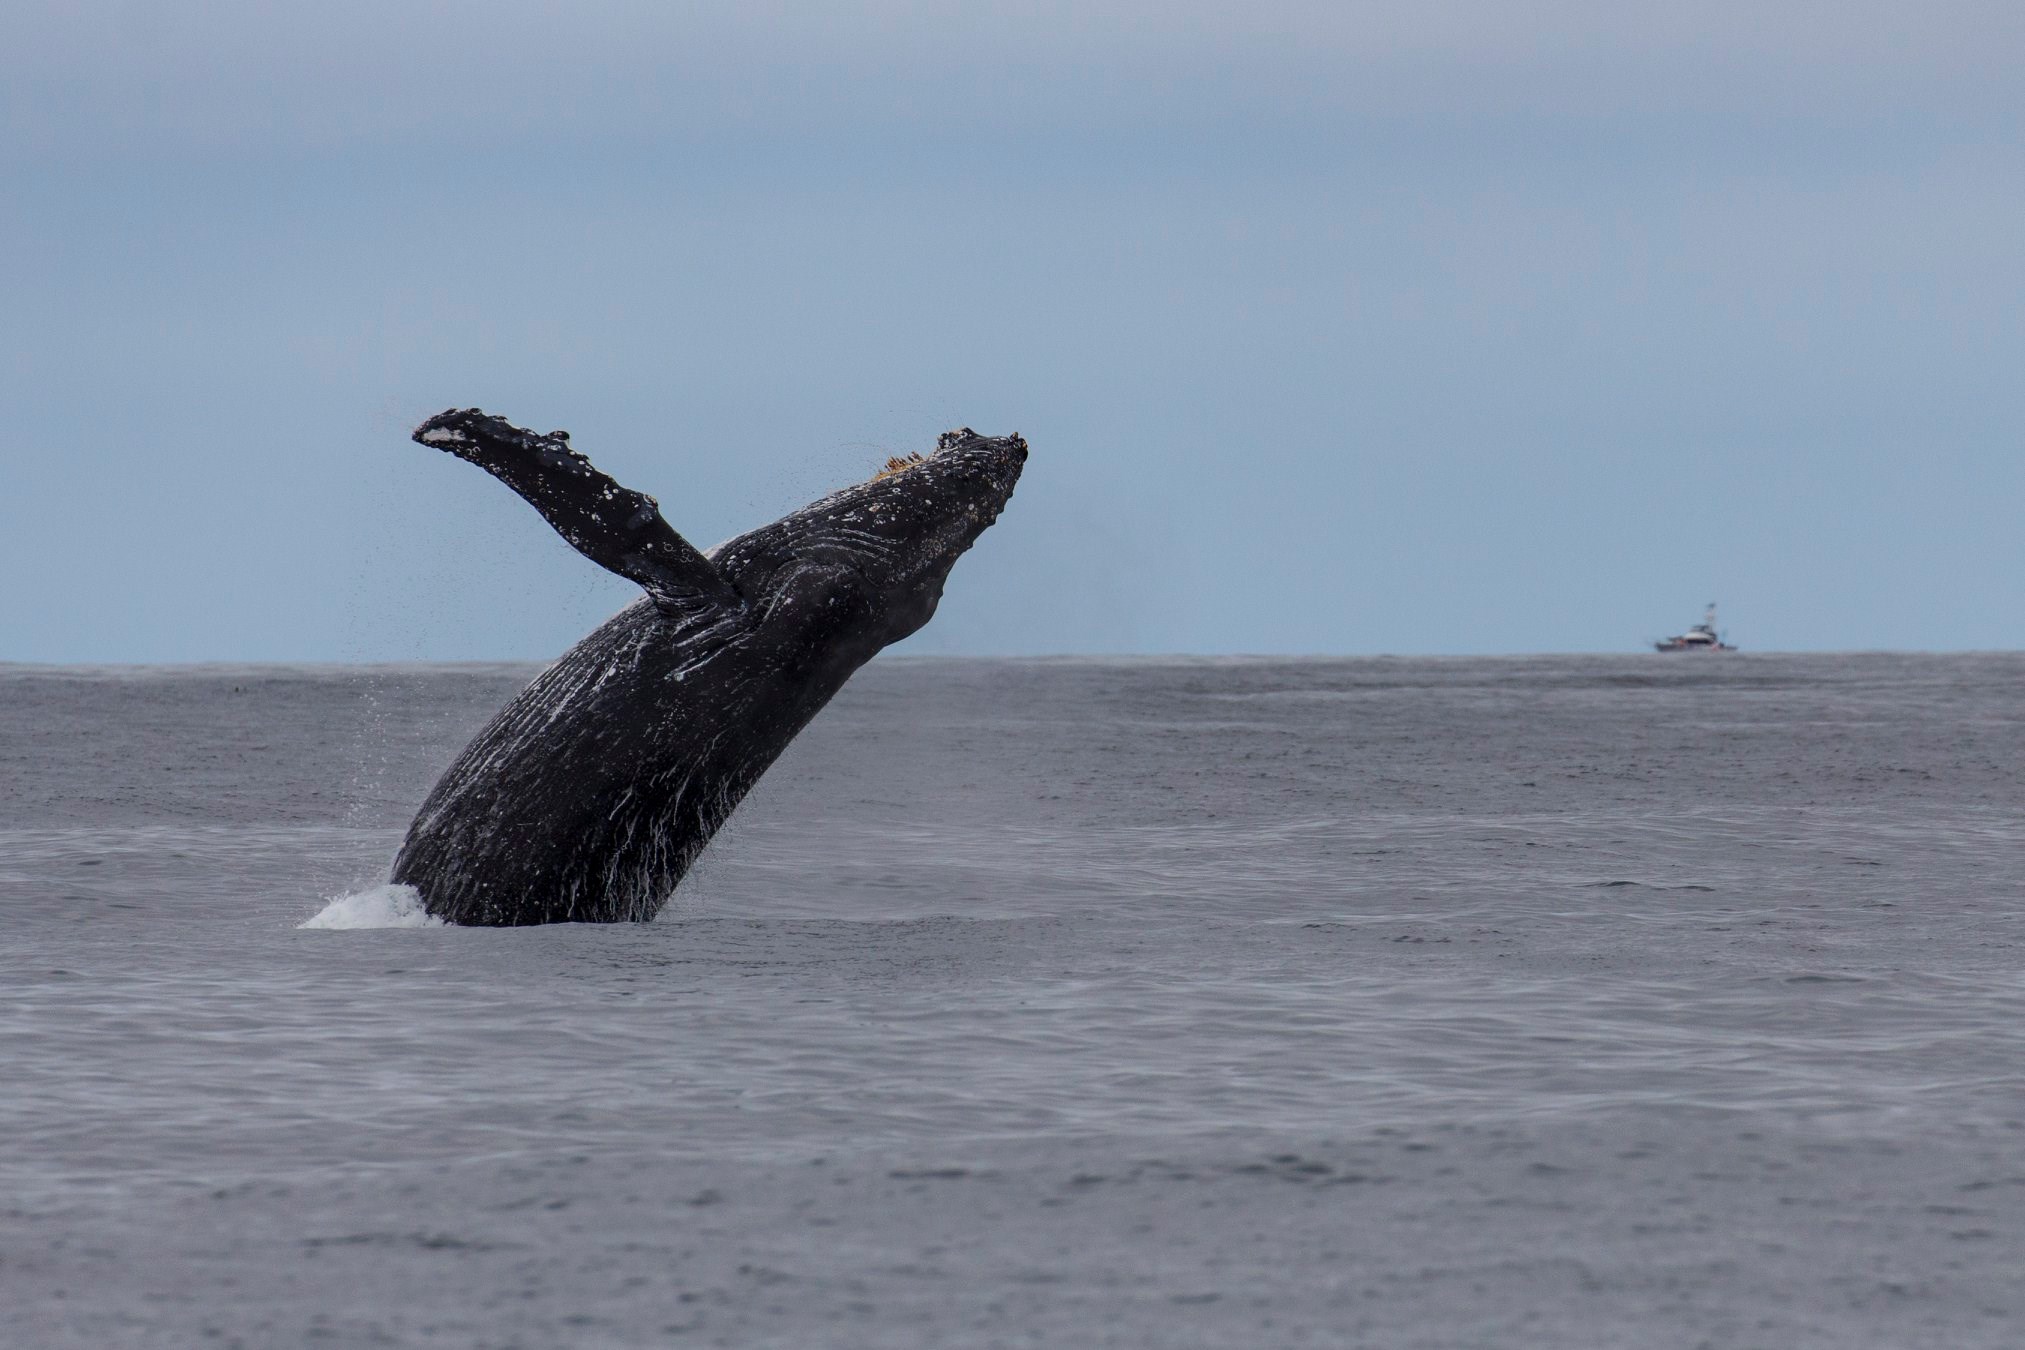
[[1334, 327]]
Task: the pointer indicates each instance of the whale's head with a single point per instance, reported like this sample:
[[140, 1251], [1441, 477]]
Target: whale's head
[[880, 551]]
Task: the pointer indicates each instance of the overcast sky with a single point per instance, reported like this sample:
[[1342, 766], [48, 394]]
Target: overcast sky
[[1469, 327]]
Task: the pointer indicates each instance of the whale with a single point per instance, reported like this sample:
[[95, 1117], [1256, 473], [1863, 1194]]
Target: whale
[[591, 794]]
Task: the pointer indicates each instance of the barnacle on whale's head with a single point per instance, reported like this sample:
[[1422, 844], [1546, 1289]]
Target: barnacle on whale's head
[[899, 464]]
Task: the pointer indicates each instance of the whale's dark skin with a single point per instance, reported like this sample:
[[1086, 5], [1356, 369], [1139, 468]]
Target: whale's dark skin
[[589, 795]]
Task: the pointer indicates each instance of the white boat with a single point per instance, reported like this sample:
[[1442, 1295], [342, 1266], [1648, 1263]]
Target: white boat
[[1703, 637]]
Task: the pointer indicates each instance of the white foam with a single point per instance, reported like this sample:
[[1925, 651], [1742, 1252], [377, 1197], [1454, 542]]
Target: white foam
[[391, 906]]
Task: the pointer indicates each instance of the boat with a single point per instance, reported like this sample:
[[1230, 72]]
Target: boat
[[1700, 638]]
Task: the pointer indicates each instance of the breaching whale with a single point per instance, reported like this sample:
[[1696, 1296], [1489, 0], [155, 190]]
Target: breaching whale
[[592, 792]]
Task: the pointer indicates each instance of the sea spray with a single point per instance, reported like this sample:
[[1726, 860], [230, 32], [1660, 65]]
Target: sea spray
[[389, 906]]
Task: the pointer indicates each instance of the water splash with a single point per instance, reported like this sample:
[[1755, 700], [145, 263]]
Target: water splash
[[390, 906]]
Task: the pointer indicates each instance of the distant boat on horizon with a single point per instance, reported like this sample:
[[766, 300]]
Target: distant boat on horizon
[[1700, 638]]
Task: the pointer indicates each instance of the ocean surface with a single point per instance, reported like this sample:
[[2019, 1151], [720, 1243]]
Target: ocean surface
[[1565, 1001]]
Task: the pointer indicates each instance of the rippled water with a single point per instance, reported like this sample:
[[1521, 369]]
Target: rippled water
[[1705, 917]]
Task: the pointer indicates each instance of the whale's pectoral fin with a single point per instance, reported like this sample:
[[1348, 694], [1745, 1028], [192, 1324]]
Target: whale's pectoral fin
[[615, 527]]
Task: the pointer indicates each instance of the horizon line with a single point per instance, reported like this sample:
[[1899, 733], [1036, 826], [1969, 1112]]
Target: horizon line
[[10, 666]]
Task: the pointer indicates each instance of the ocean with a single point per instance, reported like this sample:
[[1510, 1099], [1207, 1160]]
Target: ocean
[[1395, 1002]]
